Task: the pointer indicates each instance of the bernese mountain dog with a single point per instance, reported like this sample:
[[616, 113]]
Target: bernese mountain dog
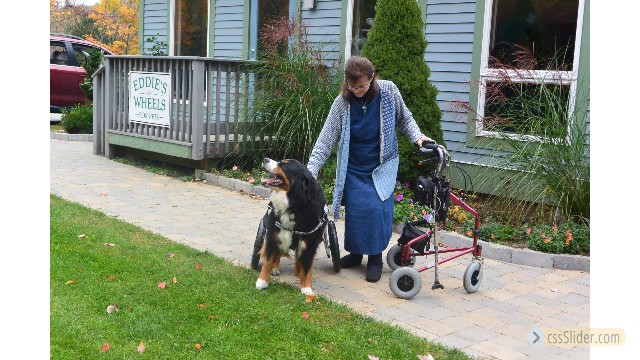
[[296, 220]]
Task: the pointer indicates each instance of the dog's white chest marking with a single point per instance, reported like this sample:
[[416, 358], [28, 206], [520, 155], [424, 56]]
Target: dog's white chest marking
[[280, 205]]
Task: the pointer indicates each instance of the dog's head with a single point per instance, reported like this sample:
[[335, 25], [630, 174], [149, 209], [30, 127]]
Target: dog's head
[[293, 177]]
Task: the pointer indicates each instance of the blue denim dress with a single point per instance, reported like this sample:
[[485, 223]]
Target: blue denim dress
[[368, 221]]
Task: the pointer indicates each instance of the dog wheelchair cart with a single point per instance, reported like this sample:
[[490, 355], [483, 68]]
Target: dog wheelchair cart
[[330, 237], [434, 192]]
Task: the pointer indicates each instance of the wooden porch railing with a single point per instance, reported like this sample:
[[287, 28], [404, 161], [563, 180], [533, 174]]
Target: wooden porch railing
[[206, 106]]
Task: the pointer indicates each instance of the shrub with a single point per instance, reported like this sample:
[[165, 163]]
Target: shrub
[[91, 65], [397, 53], [78, 120]]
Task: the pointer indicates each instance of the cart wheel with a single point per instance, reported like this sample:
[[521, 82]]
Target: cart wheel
[[257, 246], [472, 277], [405, 282], [334, 246], [393, 258]]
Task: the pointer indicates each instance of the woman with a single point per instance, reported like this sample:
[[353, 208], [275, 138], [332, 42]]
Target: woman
[[362, 122]]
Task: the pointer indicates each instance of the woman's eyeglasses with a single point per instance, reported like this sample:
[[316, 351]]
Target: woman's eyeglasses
[[358, 88]]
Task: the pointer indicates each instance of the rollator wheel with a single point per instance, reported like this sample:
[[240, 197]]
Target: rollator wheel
[[472, 277], [334, 246], [405, 282], [257, 246], [394, 258]]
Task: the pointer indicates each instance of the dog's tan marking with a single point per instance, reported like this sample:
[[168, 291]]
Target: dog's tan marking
[[305, 279]]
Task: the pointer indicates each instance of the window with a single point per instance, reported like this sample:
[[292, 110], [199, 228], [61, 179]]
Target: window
[[82, 54], [58, 54], [363, 12], [191, 19], [270, 11], [264, 13], [528, 74]]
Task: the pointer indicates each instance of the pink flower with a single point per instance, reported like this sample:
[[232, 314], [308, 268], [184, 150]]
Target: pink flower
[[547, 240], [528, 231], [234, 168], [555, 228], [543, 235], [400, 197]]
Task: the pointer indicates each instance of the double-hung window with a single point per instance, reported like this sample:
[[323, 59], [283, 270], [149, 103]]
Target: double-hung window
[[529, 67]]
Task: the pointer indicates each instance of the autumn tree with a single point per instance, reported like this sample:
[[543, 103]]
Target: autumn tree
[[69, 17], [117, 21]]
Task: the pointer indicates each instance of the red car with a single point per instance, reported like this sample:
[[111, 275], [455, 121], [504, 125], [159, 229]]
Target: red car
[[67, 55]]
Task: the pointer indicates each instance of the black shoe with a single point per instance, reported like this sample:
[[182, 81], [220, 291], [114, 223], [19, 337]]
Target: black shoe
[[350, 260], [374, 272], [374, 268]]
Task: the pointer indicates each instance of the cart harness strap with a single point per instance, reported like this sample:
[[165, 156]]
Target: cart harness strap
[[295, 232]]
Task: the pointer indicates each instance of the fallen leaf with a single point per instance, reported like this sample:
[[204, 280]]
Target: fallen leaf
[[111, 277], [83, 235], [162, 285], [198, 346], [310, 298], [105, 347], [112, 309], [370, 340], [109, 244], [175, 280], [210, 317], [305, 315], [202, 306], [71, 282], [198, 267], [425, 357], [170, 255], [141, 347]]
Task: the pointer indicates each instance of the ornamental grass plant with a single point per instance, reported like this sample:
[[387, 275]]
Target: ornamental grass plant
[[290, 95], [538, 166]]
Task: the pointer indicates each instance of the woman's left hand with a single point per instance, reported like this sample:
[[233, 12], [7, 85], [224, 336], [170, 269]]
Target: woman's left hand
[[424, 139]]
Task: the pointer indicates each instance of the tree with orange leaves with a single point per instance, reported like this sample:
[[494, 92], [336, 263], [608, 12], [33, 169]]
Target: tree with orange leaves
[[118, 24]]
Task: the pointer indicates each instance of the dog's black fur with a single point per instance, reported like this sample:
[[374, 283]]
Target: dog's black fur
[[298, 205]]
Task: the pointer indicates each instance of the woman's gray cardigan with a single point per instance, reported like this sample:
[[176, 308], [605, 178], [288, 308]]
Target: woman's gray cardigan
[[336, 130]]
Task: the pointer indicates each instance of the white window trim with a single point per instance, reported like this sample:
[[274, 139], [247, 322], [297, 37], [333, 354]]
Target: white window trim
[[534, 76], [348, 33], [172, 27]]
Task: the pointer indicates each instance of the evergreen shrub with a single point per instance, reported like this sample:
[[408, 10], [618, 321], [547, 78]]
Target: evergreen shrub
[[78, 120]]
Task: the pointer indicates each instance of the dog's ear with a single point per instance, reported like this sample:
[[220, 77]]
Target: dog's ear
[[300, 191]]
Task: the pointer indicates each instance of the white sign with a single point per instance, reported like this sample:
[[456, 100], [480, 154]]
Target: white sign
[[150, 97]]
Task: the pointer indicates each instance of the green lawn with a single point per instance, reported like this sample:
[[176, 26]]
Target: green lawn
[[97, 261]]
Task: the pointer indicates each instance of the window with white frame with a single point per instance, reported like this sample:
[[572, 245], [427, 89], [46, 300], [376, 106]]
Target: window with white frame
[[360, 14], [528, 73]]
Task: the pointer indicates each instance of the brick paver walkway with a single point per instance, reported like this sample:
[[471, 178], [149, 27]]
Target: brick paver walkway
[[492, 323]]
